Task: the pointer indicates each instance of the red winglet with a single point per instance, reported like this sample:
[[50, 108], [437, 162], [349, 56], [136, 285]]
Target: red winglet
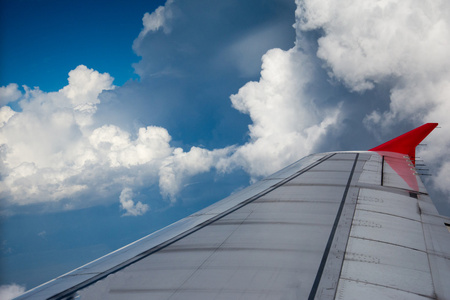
[[406, 143]]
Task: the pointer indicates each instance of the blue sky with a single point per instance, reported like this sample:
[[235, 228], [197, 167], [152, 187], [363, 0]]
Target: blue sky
[[42, 40], [119, 118]]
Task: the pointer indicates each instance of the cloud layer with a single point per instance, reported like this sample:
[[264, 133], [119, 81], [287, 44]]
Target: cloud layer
[[9, 93], [68, 146], [403, 44], [131, 208], [11, 291], [286, 124], [51, 151]]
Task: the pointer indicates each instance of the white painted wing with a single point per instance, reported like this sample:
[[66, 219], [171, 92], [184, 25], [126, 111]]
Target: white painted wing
[[343, 225]]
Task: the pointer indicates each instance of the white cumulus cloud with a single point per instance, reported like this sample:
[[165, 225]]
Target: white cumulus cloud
[[131, 208], [11, 291], [9, 93], [402, 44], [115, 146], [181, 165], [286, 122], [46, 144], [366, 42], [154, 21], [5, 114], [51, 151]]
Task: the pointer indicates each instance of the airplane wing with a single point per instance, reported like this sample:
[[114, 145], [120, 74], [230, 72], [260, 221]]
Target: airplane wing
[[338, 225]]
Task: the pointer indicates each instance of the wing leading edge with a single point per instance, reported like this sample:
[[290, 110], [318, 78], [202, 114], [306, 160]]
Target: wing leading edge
[[340, 225]]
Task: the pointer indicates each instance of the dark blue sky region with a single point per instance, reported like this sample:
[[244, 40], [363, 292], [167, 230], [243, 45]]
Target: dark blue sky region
[[42, 40]]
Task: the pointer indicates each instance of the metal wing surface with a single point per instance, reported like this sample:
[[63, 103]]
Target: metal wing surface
[[340, 225]]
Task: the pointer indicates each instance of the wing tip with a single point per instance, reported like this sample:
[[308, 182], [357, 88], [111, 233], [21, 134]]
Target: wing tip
[[407, 142]]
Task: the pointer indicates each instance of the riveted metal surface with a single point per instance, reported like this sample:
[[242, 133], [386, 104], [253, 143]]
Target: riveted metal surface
[[388, 265], [394, 241], [335, 225], [388, 203], [355, 290], [258, 250]]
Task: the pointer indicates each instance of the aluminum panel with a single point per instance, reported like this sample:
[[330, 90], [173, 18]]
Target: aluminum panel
[[264, 259], [328, 274], [440, 266], [335, 165], [346, 155], [396, 239], [427, 207], [437, 239], [387, 265], [354, 290], [324, 177], [371, 173], [300, 210], [225, 294], [388, 203], [290, 192], [388, 229]]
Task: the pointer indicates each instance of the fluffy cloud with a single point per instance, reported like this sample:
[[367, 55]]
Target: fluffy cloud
[[127, 203], [11, 291], [181, 165], [62, 154], [51, 150], [9, 93], [117, 149], [55, 148], [5, 114], [403, 44], [286, 122], [154, 21], [44, 145], [366, 42]]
